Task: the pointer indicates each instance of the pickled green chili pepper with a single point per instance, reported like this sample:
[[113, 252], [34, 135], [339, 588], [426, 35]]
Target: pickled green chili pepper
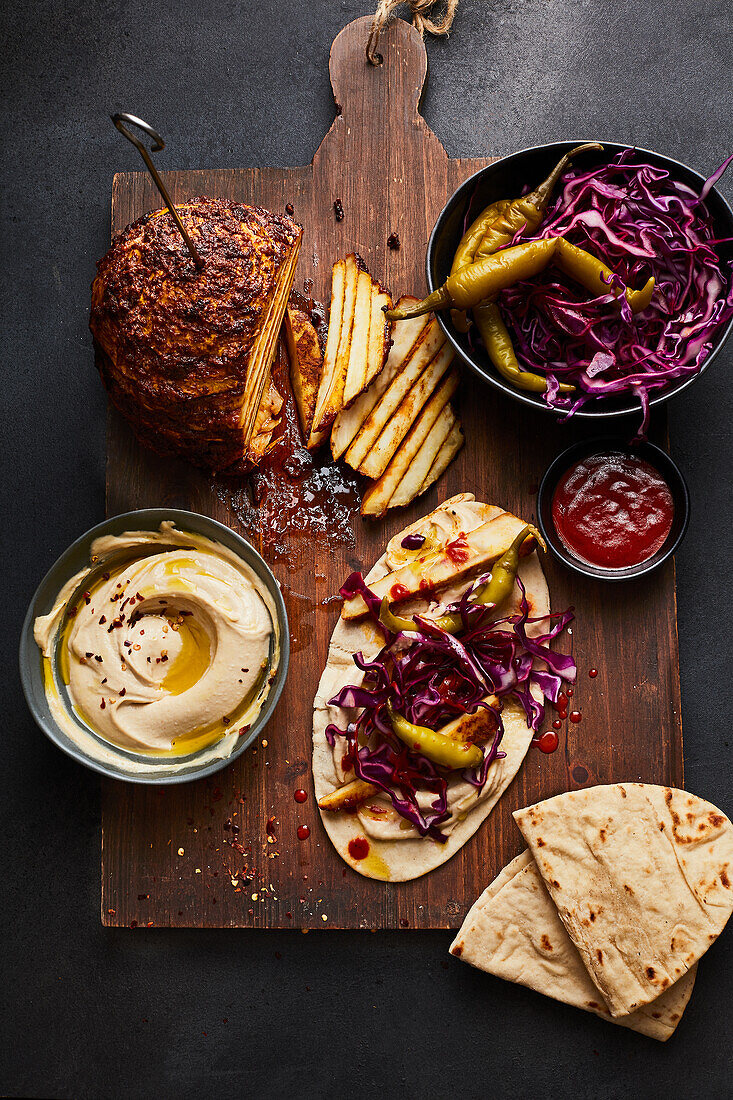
[[500, 584], [438, 748], [494, 591], [596, 276], [524, 214], [395, 623], [499, 223], [484, 279], [500, 349]]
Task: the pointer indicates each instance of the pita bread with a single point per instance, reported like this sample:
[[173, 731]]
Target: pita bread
[[642, 878], [408, 855], [513, 931]]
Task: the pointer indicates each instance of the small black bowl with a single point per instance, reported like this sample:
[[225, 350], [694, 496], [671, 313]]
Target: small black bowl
[[657, 458], [507, 178]]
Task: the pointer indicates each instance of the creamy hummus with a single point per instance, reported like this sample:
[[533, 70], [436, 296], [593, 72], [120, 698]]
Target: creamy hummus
[[164, 647]]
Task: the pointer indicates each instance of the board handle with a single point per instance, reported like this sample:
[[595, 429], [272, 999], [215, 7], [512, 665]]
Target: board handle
[[378, 91]]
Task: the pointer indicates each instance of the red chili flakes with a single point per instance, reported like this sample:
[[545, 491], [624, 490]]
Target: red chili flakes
[[103, 620], [217, 794], [338, 209]]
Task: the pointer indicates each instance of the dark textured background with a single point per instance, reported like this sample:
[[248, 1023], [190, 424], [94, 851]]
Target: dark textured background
[[94, 1013]]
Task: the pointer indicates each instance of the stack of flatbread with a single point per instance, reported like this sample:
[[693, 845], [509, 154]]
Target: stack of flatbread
[[621, 891]]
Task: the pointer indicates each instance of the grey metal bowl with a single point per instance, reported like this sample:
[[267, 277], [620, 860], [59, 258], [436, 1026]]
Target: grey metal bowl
[[75, 559], [507, 177]]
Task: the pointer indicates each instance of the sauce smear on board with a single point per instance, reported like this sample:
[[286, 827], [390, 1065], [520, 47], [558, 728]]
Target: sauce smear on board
[[613, 510]]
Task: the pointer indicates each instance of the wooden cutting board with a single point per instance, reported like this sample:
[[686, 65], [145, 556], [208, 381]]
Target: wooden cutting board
[[224, 852]]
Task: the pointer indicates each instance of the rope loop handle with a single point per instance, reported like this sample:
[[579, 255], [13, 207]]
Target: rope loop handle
[[419, 10]]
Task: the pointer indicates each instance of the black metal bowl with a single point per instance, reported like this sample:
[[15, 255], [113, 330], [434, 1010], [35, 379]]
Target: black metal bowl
[[507, 178], [657, 458]]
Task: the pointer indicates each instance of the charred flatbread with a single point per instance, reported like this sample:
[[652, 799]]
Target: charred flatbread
[[397, 851], [513, 931], [641, 877]]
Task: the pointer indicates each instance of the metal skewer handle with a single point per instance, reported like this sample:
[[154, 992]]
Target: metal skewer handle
[[131, 120]]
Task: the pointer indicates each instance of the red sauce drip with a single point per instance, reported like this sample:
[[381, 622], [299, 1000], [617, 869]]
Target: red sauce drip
[[570, 693], [457, 550], [592, 672], [562, 701], [359, 847], [613, 510], [557, 724], [399, 591], [576, 716], [303, 832], [548, 742], [300, 796]]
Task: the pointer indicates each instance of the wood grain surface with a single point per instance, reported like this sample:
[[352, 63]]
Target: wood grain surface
[[200, 855]]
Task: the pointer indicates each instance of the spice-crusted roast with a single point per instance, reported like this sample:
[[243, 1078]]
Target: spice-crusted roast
[[185, 354]]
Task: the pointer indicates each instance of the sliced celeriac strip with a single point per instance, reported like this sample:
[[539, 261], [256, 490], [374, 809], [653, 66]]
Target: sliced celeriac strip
[[332, 402], [402, 419], [263, 353], [433, 414], [379, 334], [335, 318], [351, 794], [444, 457], [406, 336], [411, 484], [356, 370], [306, 364], [481, 548], [431, 343]]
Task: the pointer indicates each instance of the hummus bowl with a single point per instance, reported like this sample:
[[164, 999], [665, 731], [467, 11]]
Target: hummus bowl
[[184, 619]]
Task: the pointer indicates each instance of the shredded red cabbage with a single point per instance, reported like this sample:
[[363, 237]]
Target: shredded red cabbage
[[641, 222], [432, 677]]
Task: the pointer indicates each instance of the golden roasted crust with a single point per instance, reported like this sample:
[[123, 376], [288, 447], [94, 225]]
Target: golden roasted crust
[[175, 345]]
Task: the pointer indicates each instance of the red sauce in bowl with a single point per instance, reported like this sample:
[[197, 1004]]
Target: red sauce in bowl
[[612, 510]]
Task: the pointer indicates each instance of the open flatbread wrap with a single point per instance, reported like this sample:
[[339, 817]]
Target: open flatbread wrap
[[513, 931], [396, 850], [641, 877]]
